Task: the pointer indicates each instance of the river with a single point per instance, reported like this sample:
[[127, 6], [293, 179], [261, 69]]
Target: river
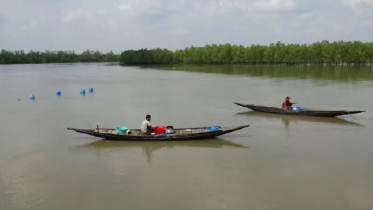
[[279, 162]]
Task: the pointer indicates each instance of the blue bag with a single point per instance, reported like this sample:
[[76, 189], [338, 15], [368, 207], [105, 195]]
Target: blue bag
[[213, 128]]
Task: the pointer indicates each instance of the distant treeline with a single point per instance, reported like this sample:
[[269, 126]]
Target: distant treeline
[[20, 57], [325, 52]]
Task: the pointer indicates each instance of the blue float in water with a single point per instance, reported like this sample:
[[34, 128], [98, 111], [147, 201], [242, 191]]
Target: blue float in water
[[82, 91], [90, 90], [32, 96], [58, 93]]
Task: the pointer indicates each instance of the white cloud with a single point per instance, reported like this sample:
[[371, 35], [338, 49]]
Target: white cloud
[[355, 3], [141, 5], [101, 12], [257, 5], [98, 19], [180, 31], [77, 14], [112, 24], [165, 7], [34, 24], [30, 25], [125, 7], [340, 28], [132, 24]]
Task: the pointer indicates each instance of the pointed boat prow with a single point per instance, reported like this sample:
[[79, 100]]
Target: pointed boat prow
[[239, 104]]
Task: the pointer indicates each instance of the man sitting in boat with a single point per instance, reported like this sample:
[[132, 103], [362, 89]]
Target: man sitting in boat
[[146, 128], [287, 104]]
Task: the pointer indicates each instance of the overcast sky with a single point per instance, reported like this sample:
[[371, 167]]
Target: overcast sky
[[131, 24]]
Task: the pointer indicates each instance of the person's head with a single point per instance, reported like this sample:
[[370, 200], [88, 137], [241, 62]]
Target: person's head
[[287, 98], [148, 117]]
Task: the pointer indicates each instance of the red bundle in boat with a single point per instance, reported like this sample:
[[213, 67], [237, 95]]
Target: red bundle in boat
[[159, 129]]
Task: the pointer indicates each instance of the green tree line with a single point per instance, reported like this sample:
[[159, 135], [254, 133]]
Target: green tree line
[[325, 52], [20, 57]]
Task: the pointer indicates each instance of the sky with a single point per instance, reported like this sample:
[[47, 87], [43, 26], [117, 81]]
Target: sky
[[120, 25]]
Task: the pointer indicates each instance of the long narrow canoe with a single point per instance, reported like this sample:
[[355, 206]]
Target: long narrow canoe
[[180, 134], [307, 112]]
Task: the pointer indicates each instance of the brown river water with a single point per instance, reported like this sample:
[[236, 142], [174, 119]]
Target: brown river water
[[279, 162]]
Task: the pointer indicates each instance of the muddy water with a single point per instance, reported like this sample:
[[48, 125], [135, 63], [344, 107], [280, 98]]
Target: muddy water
[[277, 163]]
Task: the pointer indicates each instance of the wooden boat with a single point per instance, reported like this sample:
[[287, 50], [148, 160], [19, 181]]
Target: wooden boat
[[306, 112], [180, 134]]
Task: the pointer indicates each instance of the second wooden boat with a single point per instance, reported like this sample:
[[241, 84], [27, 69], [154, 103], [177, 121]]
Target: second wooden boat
[[304, 112]]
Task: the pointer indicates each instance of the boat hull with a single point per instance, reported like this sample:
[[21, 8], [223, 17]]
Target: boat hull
[[315, 113], [180, 137]]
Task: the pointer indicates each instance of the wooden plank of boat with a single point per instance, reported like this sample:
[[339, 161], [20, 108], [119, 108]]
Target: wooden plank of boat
[[307, 112], [180, 134]]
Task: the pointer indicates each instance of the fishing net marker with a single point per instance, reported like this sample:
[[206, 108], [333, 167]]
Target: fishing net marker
[[90, 90], [82, 91], [32, 96], [58, 93]]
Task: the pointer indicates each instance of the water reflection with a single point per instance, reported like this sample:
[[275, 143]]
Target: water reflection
[[149, 148], [337, 73], [287, 119]]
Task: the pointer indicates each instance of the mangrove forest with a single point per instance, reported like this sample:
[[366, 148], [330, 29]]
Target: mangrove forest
[[20, 57], [325, 52]]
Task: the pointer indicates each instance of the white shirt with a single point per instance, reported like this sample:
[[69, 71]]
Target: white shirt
[[144, 126]]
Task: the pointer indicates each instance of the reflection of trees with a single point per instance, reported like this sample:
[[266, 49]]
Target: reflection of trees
[[341, 73]]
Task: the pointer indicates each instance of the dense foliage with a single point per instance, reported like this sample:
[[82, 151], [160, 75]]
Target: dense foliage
[[20, 57], [324, 52]]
